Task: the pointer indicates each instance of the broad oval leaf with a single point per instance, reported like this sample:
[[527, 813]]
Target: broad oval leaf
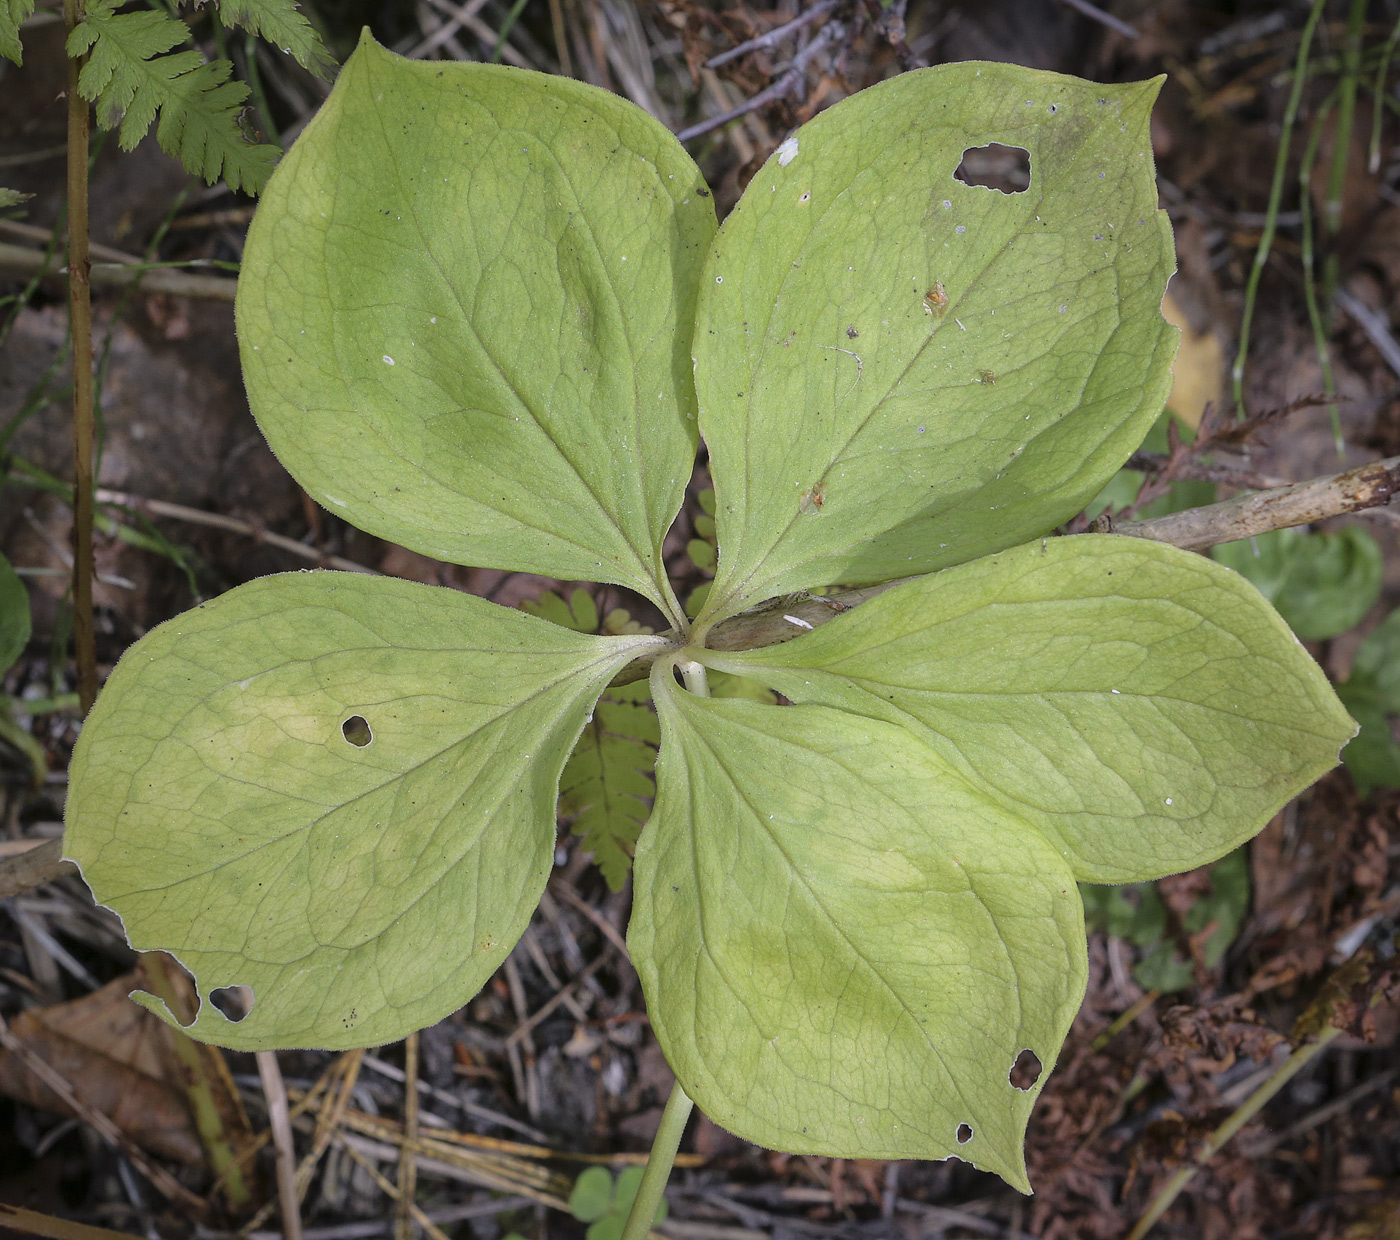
[[899, 371], [336, 790], [1143, 707], [464, 316], [844, 946]]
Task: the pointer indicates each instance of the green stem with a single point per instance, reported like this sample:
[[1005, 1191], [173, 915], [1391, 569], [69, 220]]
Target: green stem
[[1319, 330], [668, 1136], [1341, 142], [1373, 161], [1266, 238], [80, 315], [506, 27], [695, 679], [1251, 1107]]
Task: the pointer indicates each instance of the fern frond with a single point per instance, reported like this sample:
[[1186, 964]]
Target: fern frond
[[580, 613], [608, 783], [13, 14], [11, 198], [131, 81], [281, 24]]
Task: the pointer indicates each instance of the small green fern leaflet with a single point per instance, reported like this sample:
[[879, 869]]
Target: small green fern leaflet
[[280, 23], [608, 784], [11, 198], [12, 14], [130, 80]]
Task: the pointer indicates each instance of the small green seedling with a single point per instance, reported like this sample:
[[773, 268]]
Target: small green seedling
[[486, 314], [605, 1205]]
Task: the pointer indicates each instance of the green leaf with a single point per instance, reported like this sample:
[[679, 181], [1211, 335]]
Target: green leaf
[[130, 81], [14, 616], [13, 14], [898, 371], [282, 25], [701, 553], [11, 198], [844, 946], [608, 785], [1372, 694], [1322, 584], [593, 1194], [337, 790], [463, 316], [1141, 706], [580, 613]]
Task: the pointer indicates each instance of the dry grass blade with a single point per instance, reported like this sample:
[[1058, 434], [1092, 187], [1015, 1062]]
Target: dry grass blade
[[281, 1124], [395, 1194], [37, 1224], [408, 1167], [774, 36]]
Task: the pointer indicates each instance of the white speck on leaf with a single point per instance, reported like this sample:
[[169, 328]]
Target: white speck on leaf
[[787, 152], [797, 620], [388, 361]]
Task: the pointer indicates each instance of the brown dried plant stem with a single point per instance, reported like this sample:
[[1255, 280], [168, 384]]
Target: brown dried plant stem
[[80, 317]]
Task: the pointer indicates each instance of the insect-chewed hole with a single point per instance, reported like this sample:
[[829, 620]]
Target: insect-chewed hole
[[356, 731], [235, 1002], [964, 1133], [1006, 169], [1025, 1072]]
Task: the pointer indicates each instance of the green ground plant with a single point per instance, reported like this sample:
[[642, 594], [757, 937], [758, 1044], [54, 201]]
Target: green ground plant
[[486, 314]]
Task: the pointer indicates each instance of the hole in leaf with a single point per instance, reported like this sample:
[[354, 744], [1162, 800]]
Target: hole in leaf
[[356, 731], [1025, 1072], [235, 1002], [1006, 169], [964, 1133]]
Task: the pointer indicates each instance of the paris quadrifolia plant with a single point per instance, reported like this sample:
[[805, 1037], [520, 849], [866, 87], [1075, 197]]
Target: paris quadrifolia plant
[[486, 314]]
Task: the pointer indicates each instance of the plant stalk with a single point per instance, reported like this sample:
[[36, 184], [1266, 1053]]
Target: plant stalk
[[1266, 238], [663, 1149], [1217, 1140], [80, 316], [695, 678]]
